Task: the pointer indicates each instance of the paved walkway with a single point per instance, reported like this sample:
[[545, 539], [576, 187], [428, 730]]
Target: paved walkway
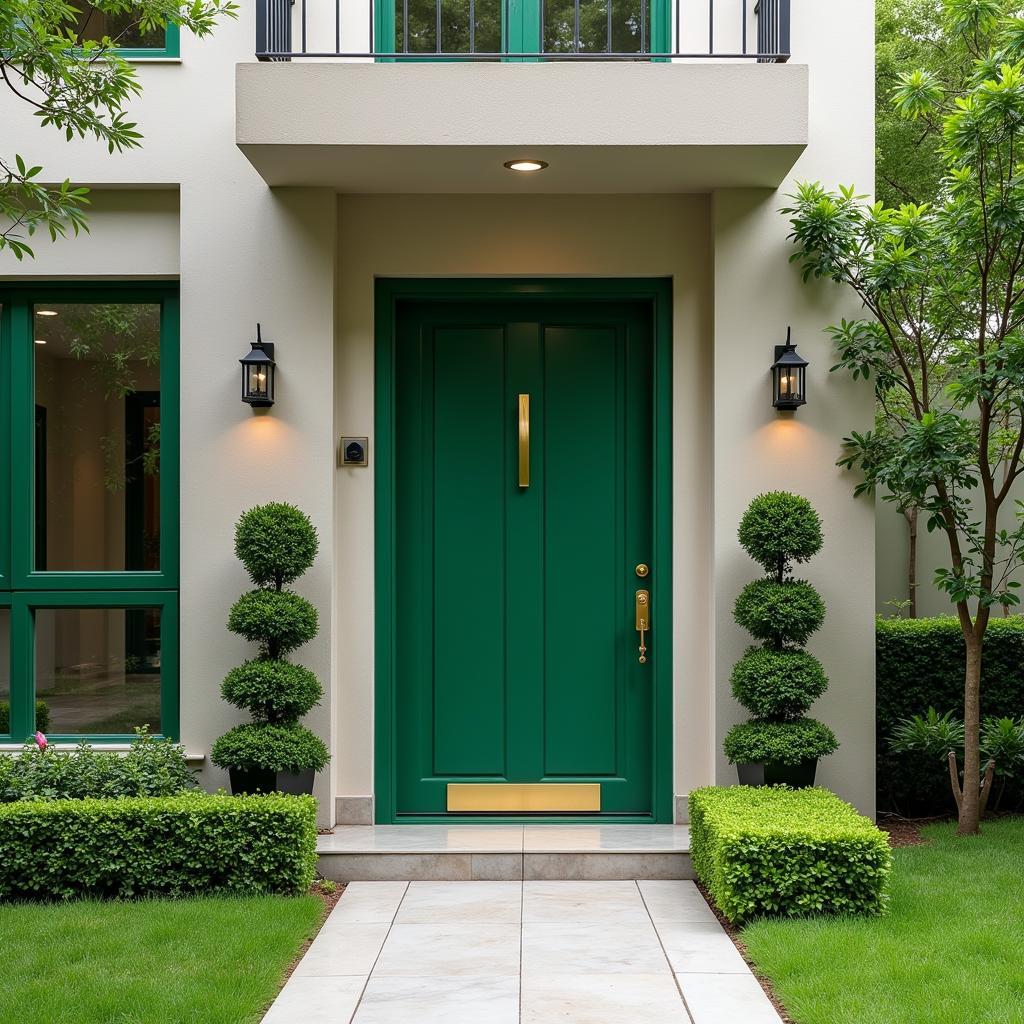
[[536, 952]]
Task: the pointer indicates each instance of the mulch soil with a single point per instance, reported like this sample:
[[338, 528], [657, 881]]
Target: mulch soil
[[901, 832]]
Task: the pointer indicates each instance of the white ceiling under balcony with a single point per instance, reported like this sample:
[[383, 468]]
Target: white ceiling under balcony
[[627, 127]]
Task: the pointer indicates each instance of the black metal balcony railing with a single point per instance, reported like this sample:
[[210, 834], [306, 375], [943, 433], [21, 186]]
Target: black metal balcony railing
[[484, 30]]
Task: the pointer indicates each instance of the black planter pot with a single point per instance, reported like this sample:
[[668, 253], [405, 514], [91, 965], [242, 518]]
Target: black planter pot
[[799, 776], [260, 780]]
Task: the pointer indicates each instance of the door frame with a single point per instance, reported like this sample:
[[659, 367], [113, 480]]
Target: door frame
[[388, 294]]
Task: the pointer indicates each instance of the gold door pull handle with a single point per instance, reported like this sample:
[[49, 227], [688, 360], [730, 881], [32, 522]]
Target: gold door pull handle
[[643, 621], [524, 440]]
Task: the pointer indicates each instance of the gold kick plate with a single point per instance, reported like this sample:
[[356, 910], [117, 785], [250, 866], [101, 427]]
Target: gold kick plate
[[524, 797]]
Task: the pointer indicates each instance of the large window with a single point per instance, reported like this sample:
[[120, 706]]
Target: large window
[[88, 510], [124, 30]]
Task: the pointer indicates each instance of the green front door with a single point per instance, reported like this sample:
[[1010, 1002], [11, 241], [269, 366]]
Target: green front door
[[518, 529]]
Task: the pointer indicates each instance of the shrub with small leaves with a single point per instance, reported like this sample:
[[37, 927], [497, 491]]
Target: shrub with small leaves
[[276, 543], [278, 620], [779, 528], [151, 767], [193, 844], [42, 717], [779, 685], [272, 690], [275, 748], [778, 682], [780, 613], [777, 851], [788, 743]]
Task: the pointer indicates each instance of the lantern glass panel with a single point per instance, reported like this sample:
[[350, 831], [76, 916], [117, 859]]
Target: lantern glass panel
[[258, 381]]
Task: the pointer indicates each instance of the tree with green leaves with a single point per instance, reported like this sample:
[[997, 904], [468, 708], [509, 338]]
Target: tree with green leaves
[[943, 292], [78, 84]]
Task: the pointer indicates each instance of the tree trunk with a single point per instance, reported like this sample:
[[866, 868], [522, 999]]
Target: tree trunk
[[969, 805], [911, 517]]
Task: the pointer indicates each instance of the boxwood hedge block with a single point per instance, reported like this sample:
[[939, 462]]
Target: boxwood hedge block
[[156, 846], [777, 851]]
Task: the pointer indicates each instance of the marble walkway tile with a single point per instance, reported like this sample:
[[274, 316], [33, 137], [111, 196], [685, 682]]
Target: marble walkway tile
[[671, 901], [451, 949], [316, 1001], [466, 1000], [344, 949], [367, 902], [607, 999], [441, 902], [571, 949], [700, 947], [582, 902], [727, 999]]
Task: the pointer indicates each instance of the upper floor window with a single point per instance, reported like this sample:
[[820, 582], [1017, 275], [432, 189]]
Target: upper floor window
[[534, 26], [125, 31]]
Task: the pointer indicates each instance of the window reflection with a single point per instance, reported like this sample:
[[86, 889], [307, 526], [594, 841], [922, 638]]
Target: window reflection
[[98, 669], [97, 436]]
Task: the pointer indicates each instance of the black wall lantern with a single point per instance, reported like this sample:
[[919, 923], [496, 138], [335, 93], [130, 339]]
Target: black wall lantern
[[789, 376], [258, 373]]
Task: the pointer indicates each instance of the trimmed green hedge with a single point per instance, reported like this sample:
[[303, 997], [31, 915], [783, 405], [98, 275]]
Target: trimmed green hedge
[[42, 717], [778, 851], [920, 664], [157, 846]]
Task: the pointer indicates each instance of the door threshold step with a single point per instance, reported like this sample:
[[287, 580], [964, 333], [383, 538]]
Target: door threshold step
[[359, 853]]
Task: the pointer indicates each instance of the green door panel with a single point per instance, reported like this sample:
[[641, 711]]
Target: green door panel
[[515, 653]]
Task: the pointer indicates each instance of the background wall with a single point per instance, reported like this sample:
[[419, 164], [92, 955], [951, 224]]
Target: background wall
[[757, 294]]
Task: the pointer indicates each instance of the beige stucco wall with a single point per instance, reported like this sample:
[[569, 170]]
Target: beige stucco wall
[[608, 236]]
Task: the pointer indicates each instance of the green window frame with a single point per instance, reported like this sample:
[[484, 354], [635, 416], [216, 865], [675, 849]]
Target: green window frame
[[23, 588], [171, 50]]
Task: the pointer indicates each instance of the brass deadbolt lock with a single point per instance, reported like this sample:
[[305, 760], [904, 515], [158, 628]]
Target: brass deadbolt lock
[[642, 570]]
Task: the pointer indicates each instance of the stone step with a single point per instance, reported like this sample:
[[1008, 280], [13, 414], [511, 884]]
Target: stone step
[[364, 853]]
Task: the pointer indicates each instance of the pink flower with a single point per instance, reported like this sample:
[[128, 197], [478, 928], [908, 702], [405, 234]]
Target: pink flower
[[41, 741]]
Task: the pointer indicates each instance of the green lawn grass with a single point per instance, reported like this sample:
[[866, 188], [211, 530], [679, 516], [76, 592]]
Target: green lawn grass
[[949, 951], [196, 961]]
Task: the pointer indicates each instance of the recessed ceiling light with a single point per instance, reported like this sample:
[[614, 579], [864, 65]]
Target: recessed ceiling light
[[526, 165], [40, 341], [46, 312]]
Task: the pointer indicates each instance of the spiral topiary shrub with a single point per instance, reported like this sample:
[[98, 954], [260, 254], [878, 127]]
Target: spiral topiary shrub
[[778, 682], [276, 543], [789, 611]]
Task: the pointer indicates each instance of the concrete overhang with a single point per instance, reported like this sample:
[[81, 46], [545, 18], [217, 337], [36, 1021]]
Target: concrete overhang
[[449, 127]]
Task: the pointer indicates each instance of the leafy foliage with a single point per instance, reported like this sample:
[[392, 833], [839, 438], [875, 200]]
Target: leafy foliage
[[190, 844], [931, 734], [788, 743], [1002, 739], [272, 690], [779, 528], [920, 663], [151, 767], [783, 852], [276, 748], [276, 543], [277, 620], [943, 291], [42, 716], [82, 88], [780, 613], [780, 685]]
